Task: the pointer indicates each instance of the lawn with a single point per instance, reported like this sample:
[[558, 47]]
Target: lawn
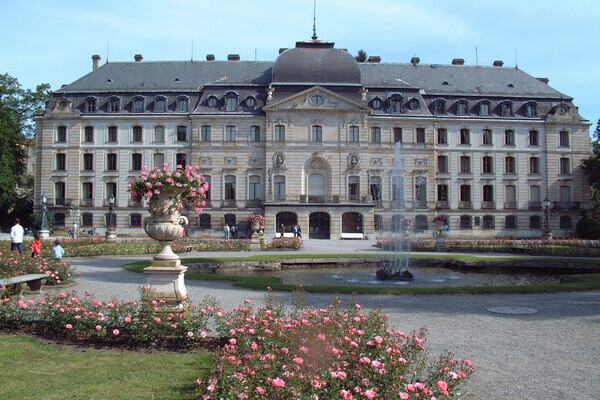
[[35, 370]]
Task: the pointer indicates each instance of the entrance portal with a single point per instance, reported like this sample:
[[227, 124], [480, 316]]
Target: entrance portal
[[318, 226]]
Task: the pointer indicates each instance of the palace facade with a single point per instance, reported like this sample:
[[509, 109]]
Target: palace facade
[[342, 148]]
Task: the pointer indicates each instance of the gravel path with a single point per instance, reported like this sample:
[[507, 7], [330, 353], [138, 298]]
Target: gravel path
[[552, 354]]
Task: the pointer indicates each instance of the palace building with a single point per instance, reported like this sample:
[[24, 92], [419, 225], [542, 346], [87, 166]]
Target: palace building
[[340, 147]]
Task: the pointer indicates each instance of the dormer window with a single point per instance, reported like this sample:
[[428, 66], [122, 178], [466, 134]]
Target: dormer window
[[231, 102], [395, 104], [90, 105], [462, 107], [160, 104], [138, 104], [439, 106], [531, 110], [113, 104], [212, 101], [506, 109], [63, 104], [414, 104], [250, 102], [484, 108], [182, 104], [562, 109], [376, 103]]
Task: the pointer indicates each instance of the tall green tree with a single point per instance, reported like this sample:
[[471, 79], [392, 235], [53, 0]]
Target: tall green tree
[[361, 56], [18, 106]]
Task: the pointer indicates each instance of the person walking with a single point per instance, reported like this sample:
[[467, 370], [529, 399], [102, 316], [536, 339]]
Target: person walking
[[59, 252], [75, 228], [36, 245], [16, 237], [295, 231], [282, 230], [227, 231], [299, 230]]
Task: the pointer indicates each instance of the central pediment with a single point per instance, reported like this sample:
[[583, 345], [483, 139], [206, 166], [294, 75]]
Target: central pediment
[[316, 98]]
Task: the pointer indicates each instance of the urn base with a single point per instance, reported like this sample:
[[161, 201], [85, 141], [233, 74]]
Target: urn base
[[165, 280]]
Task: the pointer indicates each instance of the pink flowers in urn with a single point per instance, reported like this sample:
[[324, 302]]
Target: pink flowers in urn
[[259, 219], [187, 184]]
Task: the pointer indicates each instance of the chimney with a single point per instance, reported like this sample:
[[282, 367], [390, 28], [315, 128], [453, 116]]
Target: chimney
[[415, 60], [233, 57], [138, 58], [498, 63], [374, 59], [95, 62], [543, 80], [281, 50], [458, 61], [210, 57]]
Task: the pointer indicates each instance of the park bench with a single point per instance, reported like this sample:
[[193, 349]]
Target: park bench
[[188, 249], [35, 282]]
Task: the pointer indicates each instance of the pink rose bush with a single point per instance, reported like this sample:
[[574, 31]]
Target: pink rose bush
[[186, 184], [12, 264], [285, 243], [329, 353]]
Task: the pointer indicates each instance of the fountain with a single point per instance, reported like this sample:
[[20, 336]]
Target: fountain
[[396, 266]]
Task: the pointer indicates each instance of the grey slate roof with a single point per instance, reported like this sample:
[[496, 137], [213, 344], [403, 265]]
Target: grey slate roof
[[461, 80]]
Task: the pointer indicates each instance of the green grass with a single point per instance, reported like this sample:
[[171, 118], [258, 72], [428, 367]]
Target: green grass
[[582, 281], [32, 370]]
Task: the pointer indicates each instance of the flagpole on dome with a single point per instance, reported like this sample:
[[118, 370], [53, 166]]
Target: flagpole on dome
[[314, 36]]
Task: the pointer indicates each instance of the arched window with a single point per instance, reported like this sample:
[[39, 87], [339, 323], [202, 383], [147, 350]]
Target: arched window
[[414, 104], [352, 222], [316, 188], [250, 102], [114, 104], [212, 101], [90, 104], [462, 107], [376, 103], [231, 102], [160, 104], [137, 104], [439, 106], [287, 219], [484, 108], [506, 109], [531, 109], [395, 104], [182, 104]]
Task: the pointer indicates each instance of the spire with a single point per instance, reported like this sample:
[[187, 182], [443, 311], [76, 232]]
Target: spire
[[314, 36]]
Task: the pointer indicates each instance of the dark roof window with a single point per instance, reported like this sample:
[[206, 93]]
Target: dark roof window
[[439, 106]]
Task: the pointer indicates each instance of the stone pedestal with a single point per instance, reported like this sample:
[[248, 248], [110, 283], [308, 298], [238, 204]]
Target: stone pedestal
[[440, 241], [166, 282], [111, 235], [44, 234]]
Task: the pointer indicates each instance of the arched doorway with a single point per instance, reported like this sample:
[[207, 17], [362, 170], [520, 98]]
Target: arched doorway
[[318, 225], [352, 222], [287, 219]]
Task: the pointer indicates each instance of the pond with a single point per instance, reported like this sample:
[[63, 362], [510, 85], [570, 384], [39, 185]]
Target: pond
[[424, 276]]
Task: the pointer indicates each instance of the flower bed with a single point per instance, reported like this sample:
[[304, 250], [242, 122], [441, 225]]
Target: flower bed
[[58, 272], [325, 354], [285, 244]]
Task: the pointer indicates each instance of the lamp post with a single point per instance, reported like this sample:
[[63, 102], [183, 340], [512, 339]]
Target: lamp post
[[546, 232], [110, 228], [44, 232]]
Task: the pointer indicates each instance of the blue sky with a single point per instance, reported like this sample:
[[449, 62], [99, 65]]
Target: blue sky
[[52, 41]]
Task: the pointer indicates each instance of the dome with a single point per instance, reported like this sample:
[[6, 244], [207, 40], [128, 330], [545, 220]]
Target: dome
[[316, 62]]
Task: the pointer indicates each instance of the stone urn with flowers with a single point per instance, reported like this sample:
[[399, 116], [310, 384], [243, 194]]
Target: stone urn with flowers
[[166, 193], [440, 222], [257, 223]]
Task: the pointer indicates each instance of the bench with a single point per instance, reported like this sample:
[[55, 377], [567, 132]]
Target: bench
[[521, 250], [188, 249], [35, 282]]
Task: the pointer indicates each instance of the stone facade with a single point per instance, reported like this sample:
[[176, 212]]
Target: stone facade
[[311, 140]]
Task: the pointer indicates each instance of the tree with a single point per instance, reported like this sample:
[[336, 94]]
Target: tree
[[17, 109], [361, 56], [591, 166]]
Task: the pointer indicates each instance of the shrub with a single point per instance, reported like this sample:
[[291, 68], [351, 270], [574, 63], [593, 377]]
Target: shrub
[[13, 264], [588, 228], [285, 243]]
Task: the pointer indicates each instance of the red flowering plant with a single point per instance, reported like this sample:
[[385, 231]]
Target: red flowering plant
[[186, 186], [260, 219]]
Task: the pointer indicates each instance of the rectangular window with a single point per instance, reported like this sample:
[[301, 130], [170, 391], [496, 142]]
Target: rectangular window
[[465, 192], [484, 109], [112, 134], [397, 135], [87, 192], [111, 190], [375, 190], [255, 133], [442, 164], [378, 222], [535, 222], [565, 166], [87, 219], [182, 105], [229, 187], [205, 133], [204, 221], [111, 162], [398, 191], [564, 194], [280, 133], [509, 165], [354, 136], [488, 193], [160, 105], [531, 110], [180, 159], [113, 105], [137, 133], [442, 136], [88, 135], [510, 196], [488, 165], [509, 137], [279, 187], [534, 165], [230, 133], [353, 188], [420, 135], [486, 138], [510, 222], [138, 105], [61, 162], [375, 135], [488, 222], [88, 162], [421, 191], [465, 136], [564, 139], [90, 105], [465, 164], [159, 160], [442, 193], [466, 222], [207, 179], [254, 188], [136, 162], [534, 139], [317, 133], [159, 134], [182, 133], [61, 134], [506, 109], [135, 220]]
